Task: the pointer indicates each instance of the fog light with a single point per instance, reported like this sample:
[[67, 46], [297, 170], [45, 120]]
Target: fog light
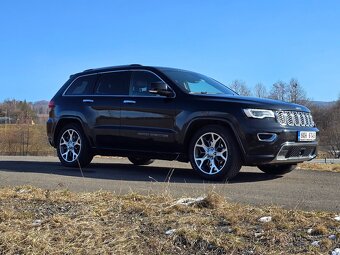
[[266, 137]]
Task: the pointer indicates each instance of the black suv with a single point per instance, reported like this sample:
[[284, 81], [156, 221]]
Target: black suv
[[147, 113]]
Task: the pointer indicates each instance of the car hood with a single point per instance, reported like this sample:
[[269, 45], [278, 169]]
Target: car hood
[[256, 102]]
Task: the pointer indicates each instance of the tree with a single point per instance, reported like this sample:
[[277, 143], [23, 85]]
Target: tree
[[296, 93], [278, 91], [260, 90], [20, 111], [240, 88], [333, 130]]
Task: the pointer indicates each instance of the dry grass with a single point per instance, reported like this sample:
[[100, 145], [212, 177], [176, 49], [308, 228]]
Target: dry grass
[[320, 167], [36, 221], [23, 139]]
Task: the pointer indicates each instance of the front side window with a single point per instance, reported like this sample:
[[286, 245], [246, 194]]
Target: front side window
[[195, 83], [114, 83], [141, 83], [81, 86]]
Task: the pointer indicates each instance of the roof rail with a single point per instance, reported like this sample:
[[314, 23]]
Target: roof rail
[[88, 70]]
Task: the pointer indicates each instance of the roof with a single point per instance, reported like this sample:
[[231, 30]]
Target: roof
[[128, 67]]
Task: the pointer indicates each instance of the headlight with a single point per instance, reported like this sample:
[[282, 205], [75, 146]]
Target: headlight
[[259, 113]]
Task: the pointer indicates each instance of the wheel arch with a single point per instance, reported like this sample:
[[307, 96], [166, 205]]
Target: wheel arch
[[196, 124], [69, 120]]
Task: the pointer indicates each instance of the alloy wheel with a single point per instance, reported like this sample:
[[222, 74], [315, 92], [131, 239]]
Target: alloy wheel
[[210, 153], [70, 145]]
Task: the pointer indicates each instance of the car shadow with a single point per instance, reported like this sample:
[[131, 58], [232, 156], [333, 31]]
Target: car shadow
[[126, 172]]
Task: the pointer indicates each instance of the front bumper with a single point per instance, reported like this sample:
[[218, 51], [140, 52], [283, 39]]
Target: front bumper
[[294, 152], [283, 148]]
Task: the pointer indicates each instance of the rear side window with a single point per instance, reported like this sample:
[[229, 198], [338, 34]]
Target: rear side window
[[82, 85], [115, 83]]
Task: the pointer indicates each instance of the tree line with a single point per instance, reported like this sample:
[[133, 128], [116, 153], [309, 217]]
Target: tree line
[[290, 92], [22, 112]]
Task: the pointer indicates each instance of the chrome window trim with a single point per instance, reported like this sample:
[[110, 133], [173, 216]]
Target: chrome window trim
[[128, 95], [84, 75]]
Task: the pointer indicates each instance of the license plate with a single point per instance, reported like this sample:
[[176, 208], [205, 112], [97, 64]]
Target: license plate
[[306, 136]]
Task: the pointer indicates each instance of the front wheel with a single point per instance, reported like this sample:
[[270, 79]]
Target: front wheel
[[277, 169], [140, 161], [72, 148], [214, 153]]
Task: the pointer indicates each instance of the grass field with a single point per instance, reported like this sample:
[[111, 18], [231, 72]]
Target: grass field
[[24, 140], [36, 221], [320, 167]]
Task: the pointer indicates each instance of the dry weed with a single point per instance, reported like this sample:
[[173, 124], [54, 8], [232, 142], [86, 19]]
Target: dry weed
[[36, 221], [320, 167]]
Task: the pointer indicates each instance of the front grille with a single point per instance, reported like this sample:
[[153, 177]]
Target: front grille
[[295, 118]]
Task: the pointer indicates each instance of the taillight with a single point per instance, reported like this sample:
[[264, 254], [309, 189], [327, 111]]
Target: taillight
[[51, 104]]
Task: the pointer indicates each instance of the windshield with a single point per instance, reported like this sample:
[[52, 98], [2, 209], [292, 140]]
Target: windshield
[[195, 83]]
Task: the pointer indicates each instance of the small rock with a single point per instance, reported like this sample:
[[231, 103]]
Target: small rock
[[265, 219], [36, 223], [337, 218], [226, 229], [23, 191], [258, 234], [316, 243], [332, 237], [170, 231], [309, 231], [336, 251], [189, 201]]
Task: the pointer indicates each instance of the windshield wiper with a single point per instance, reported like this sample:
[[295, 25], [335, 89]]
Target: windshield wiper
[[202, 92]]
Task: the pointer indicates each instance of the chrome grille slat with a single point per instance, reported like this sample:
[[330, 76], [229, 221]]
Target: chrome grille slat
[[290, 120], [294, 118]]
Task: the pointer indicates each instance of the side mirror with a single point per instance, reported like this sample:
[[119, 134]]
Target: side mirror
[[161, 88]]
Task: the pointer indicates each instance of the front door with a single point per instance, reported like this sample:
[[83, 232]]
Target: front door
[[147, 120]]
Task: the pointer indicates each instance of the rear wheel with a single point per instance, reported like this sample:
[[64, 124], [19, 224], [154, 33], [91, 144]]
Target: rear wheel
[[277, 169], [140, 161], [214, 153], [73, 149]]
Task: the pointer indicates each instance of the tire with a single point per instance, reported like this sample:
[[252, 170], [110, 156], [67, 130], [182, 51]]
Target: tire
[[214, 153], [73, 152], [140, 161], [277, 169]]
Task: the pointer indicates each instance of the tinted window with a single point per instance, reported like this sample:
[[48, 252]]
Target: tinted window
[[82, 85], [195, 83], [141, 83], [115, 83]]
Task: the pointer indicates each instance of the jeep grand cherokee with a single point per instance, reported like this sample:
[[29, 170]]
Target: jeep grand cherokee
[[146, 113]]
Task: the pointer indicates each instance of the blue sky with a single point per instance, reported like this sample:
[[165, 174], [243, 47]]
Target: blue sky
[[43, 42]]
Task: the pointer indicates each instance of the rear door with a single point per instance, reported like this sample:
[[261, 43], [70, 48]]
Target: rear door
[[147, 120], [108, 95]]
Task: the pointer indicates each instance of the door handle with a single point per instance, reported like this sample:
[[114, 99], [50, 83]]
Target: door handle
[[129, 102], [88, 101]]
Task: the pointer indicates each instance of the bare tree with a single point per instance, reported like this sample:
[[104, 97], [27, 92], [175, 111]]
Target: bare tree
[[278, 91], [260, 90], [240, 88], [333, 130], [296, 93]]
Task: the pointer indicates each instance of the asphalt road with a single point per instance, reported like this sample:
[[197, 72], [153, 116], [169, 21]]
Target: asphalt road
[[301, 189]]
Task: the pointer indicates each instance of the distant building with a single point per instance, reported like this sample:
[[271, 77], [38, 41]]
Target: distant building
[[5, 120]]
